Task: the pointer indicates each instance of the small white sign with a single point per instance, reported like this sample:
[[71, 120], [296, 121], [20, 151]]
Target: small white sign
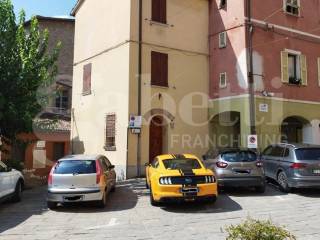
[[41, 144], [263, 107], [135, 122], [252, 141]]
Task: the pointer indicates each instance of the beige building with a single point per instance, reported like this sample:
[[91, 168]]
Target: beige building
[[153, 64]]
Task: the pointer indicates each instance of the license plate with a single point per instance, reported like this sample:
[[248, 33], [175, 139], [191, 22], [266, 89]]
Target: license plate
[[316, 171], [188, 190]]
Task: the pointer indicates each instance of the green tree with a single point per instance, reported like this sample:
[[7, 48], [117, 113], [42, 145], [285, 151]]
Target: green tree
[[27, 69]]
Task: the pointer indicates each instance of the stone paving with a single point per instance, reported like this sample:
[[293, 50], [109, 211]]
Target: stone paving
[[129, 215]]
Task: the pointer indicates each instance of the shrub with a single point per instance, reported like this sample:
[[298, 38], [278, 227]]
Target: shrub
[[258, 230], [14, 164]]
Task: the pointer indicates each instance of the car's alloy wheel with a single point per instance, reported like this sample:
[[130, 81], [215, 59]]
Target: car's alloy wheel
[[18, 192], [283, 182]]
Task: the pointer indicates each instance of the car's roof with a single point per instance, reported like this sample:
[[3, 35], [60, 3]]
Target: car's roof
[[176, 156], [298, 145], [80, 157]]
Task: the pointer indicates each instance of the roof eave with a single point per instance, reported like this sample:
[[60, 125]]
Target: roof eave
[[76, 7]]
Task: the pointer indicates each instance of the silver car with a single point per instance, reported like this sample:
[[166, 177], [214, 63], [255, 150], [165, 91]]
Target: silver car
[[80, 178], [293, 165], [236, 168]]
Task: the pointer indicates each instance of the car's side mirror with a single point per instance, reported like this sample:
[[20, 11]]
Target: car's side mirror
[[111, 167], [8, 169], [147, 164]]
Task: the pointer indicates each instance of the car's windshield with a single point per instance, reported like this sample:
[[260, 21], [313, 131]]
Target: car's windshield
[[188, 163], [2, 167], [75, 167], [308, 154], [239, 156]]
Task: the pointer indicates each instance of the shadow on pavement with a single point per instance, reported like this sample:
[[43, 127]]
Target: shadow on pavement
[[224, 204], [33, 203], [271, 190]]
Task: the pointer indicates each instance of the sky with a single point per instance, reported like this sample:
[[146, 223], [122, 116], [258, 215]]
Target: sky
[[48, 8]]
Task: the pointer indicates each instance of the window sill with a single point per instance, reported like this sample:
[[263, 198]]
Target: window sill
[[151, 22], [86, 93], [222, 47], [157, 86], [292, 15], [110, 149]]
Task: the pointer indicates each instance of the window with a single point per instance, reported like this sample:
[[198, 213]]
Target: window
[[87, 79], [159, 11], [159, 69], [277, 151], [223, 3], [319, 71], [292, 7], [76, 167], [62, 99], [155, 163], [294, 68], [223, 80], [58, 150], [110, 132], [223, 40]]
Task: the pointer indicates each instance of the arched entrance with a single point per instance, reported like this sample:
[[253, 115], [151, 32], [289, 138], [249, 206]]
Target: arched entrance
[[156, 137], [296, 130], [226, 129]]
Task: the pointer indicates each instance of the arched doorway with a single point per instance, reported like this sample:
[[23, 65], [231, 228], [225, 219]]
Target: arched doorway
[[156, 136], [226, 129], [296, 130]]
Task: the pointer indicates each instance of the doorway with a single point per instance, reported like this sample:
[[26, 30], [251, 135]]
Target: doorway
[[156, 137]]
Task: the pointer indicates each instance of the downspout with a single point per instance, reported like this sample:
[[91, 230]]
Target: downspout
[[249, 28], [139, 86]]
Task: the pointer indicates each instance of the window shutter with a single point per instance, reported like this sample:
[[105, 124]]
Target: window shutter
[[304, 70], [284, 67], [159, 11], [319, 71], [159, 69], [87, 78]]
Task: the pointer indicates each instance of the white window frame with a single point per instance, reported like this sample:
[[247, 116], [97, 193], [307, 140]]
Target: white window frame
[[225, 80], [223, 36], [285, 4]]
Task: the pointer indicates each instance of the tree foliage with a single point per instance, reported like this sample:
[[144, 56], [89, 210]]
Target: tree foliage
[[27, 69]]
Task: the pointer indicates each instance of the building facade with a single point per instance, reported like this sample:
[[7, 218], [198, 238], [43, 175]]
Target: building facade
[[140, 58], [50, 139], [284, 37]]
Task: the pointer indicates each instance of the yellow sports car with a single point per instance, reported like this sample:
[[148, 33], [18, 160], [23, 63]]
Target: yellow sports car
[[180, 177]]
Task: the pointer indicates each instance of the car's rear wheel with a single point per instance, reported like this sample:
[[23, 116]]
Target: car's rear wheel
[[103, 202], [52, 205], [212, 200], [18, 192], [152, 201], [283, 182]]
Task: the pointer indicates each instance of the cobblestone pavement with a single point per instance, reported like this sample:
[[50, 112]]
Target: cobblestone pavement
[[129, 215]]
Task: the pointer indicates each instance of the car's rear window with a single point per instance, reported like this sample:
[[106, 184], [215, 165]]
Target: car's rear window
[[239, 156], [75, 167], [175, 164], [308, 154]]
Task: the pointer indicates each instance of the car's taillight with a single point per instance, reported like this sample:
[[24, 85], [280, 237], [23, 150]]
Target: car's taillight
[[298, 165], [98, 171], [222, 164], [50, 177], [259, 164]]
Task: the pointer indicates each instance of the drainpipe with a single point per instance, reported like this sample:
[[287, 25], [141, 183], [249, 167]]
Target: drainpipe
[[139, 86], [250, 69]]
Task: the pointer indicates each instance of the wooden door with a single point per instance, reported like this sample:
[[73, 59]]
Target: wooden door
[[155, 138]]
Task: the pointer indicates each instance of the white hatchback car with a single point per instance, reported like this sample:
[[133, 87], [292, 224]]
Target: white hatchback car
[[11, 184]]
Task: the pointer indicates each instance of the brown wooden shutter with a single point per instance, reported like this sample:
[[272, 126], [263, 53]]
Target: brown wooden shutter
[[87, 78], [159, 11], [159, 69]]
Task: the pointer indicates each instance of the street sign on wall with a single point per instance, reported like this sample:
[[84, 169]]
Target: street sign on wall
[[252, 141]]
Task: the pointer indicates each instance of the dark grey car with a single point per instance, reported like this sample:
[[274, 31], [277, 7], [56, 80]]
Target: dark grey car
[[293, 165], [236, 168]]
